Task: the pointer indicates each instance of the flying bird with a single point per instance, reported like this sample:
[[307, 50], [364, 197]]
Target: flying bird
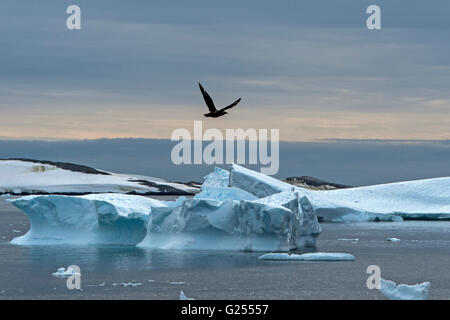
[[213, 112]]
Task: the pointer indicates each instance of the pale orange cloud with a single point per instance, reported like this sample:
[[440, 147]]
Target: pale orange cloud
[[295, 124]]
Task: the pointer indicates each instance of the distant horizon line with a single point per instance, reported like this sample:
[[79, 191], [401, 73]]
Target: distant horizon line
[[31, 139]]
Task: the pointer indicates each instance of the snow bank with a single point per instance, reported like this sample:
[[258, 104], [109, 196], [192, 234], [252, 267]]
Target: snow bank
[[315, 256], [99, 219], [403, 291], [32, 177]]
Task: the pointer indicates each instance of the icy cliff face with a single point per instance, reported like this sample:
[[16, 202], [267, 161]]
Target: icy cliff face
[[96, 219], [233, 225]]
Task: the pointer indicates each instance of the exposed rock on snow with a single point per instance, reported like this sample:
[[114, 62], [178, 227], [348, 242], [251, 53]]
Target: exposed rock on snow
[[314, 183], [315, 256], [403, 291], [23, 177]]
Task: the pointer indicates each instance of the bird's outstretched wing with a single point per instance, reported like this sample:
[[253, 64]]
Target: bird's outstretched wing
[[207, 98], [231, 105]]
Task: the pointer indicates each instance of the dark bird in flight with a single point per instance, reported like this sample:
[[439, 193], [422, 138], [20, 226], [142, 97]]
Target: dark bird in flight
[[213, 112]]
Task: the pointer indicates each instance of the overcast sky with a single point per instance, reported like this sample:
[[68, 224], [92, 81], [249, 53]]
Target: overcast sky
[[309, 68]]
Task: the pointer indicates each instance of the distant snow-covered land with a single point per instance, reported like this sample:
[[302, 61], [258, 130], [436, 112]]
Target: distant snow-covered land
[[24, 177]]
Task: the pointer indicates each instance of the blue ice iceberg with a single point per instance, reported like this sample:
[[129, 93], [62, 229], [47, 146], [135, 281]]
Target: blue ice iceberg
[[238, 209], [233, 225], [91, 219]]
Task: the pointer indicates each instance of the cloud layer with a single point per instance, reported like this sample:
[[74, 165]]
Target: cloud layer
[[311, 69]]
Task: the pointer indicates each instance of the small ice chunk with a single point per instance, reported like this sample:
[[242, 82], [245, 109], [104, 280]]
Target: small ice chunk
[[351, 240], [62, 272], [184, 297], [97, 285], [404, 291], [131, 284], [393, 239], [315, 256], [177, 282]]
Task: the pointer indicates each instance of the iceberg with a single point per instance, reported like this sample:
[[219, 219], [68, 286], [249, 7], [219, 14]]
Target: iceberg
[[205, 224], [403, 291], [238, 209], [184, 297], [62, 272], [91, 219]]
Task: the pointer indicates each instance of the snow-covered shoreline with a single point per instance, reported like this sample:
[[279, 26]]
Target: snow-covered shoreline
[[32, 177]]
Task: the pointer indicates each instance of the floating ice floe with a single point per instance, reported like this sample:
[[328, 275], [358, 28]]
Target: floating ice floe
[[131, 284], [62, 272], [315, 256], [404, 292], [102, 284], [393, 239], [349, 240], [184, 297]]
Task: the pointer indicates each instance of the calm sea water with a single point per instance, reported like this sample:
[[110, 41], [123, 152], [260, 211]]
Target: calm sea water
[[423, 254]]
